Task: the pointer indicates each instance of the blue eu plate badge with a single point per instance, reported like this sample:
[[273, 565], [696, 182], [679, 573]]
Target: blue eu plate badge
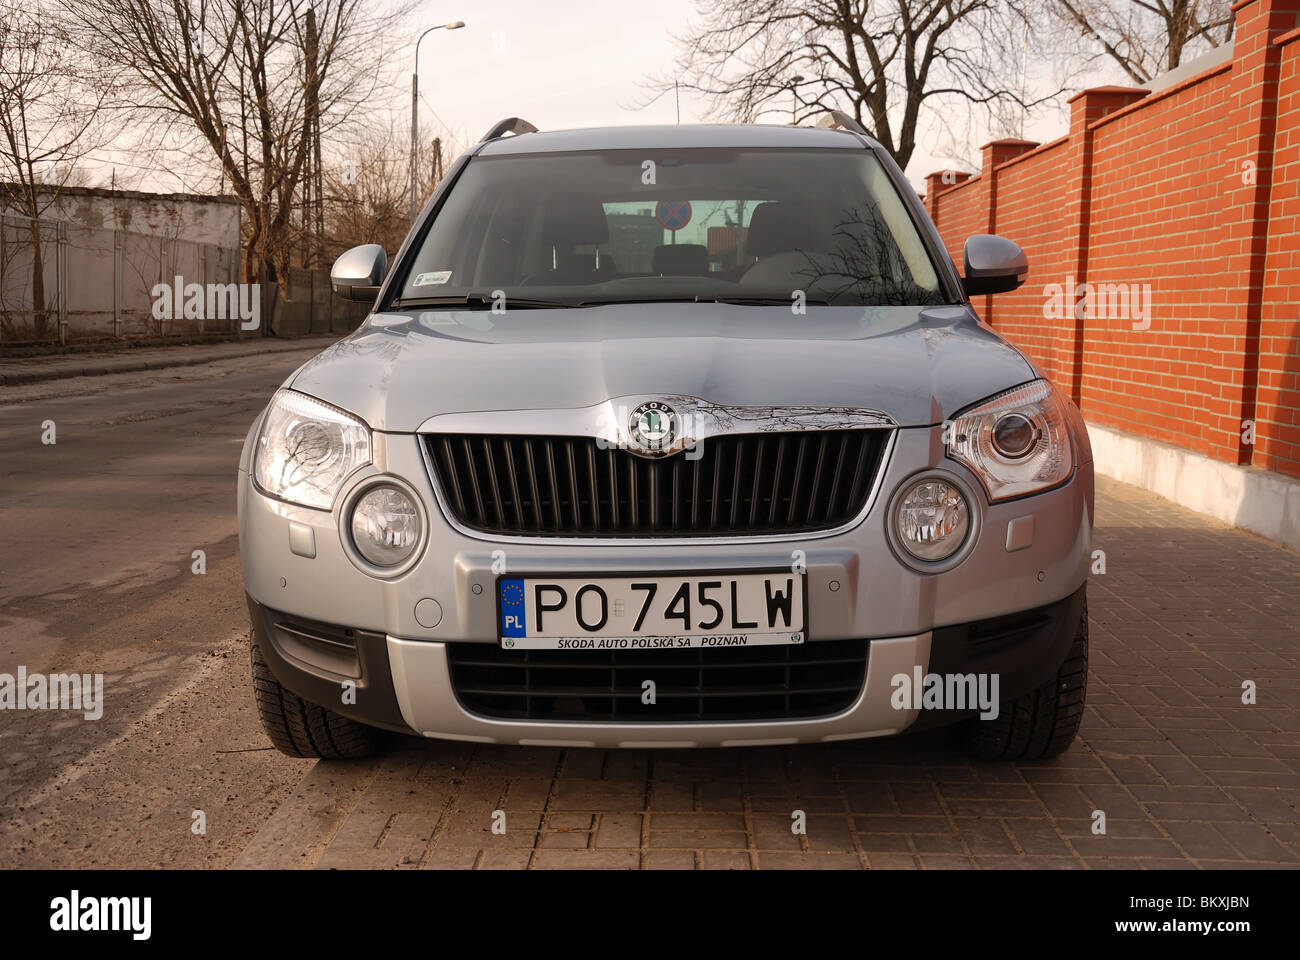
[[513, 616]]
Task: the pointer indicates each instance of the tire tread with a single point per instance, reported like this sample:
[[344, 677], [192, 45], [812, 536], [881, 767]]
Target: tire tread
[[1042, 723], [298, 728]]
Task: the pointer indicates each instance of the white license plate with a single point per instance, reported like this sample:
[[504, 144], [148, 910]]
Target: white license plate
[[651, 613]]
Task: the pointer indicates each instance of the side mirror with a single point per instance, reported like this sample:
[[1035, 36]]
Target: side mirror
[[357, 274], [993, 265]]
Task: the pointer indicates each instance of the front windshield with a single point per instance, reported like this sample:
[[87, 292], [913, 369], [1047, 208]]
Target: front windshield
[[756, 225]]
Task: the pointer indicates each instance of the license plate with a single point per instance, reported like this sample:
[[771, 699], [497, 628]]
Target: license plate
[[650, 613]]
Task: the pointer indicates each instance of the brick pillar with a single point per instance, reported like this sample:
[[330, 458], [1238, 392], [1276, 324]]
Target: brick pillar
[[993, 155], [935, 184], [1248, 173], [1086, 107]]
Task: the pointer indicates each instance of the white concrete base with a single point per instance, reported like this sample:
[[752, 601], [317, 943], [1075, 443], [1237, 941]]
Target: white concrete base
[[1261, 501]]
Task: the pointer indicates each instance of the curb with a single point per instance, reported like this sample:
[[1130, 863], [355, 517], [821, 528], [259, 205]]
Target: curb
[[134, 366]]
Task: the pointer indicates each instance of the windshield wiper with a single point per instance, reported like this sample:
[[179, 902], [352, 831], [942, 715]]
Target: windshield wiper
[[761, 301], [704, 298], [479, 301]]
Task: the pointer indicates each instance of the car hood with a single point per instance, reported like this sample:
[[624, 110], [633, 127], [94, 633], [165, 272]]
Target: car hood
[[916, 365]]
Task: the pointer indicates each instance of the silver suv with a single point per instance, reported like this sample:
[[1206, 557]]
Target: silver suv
[[670, 437]]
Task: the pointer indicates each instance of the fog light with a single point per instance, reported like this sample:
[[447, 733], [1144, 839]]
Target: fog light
[[931, 519], [385, 526]]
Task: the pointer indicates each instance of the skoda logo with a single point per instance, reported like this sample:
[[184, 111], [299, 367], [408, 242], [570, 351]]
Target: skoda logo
[[653, 427]]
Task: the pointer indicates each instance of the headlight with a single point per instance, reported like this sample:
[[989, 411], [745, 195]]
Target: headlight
[[385, 526], [1017, 442], [307, 449], [931, 519]]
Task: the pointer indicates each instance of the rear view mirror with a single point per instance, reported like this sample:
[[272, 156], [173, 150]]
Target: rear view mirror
[[357, 274], [993, 265]]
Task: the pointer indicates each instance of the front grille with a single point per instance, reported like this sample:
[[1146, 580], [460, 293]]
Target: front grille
[[745, 484], [740, 683]]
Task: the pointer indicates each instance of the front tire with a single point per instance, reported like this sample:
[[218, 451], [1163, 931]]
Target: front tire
[[1043, 722], [302, 729]]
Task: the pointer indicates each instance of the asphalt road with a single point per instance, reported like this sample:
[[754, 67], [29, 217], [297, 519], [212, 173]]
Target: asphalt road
[[96, 576]]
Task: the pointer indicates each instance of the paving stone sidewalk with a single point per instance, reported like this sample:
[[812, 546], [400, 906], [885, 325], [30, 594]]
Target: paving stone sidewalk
[[1186, 774]]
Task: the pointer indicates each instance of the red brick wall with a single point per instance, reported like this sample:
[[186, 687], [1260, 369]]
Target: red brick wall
[[1192, 193], [1031, 196], [1159, 179], [1277, 413], [959, 207]]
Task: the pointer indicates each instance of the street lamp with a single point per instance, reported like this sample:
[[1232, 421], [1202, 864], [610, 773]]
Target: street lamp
[[794, 97], [415, 106]]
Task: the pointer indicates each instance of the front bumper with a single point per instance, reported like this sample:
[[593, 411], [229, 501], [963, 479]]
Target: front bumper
[[295, 564], [407, 685]]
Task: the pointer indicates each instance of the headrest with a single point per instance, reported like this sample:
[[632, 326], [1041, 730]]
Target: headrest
[[682, 260], [775, 227], [575, 220]]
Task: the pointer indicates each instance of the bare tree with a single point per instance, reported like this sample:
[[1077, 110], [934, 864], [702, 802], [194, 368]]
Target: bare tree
[[883, 61], [864, 265], [367, 193], [1148, 37], [48, 107], [253, 84]]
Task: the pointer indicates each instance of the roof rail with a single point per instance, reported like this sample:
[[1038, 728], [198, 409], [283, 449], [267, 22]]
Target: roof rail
[[837, 120], [514, 125]]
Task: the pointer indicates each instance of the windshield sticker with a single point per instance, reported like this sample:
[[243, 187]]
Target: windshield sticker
[[431, 279]]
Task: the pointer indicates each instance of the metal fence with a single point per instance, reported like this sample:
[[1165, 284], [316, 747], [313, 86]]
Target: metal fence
[[32, 271], [310, 306], [61, 282]]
